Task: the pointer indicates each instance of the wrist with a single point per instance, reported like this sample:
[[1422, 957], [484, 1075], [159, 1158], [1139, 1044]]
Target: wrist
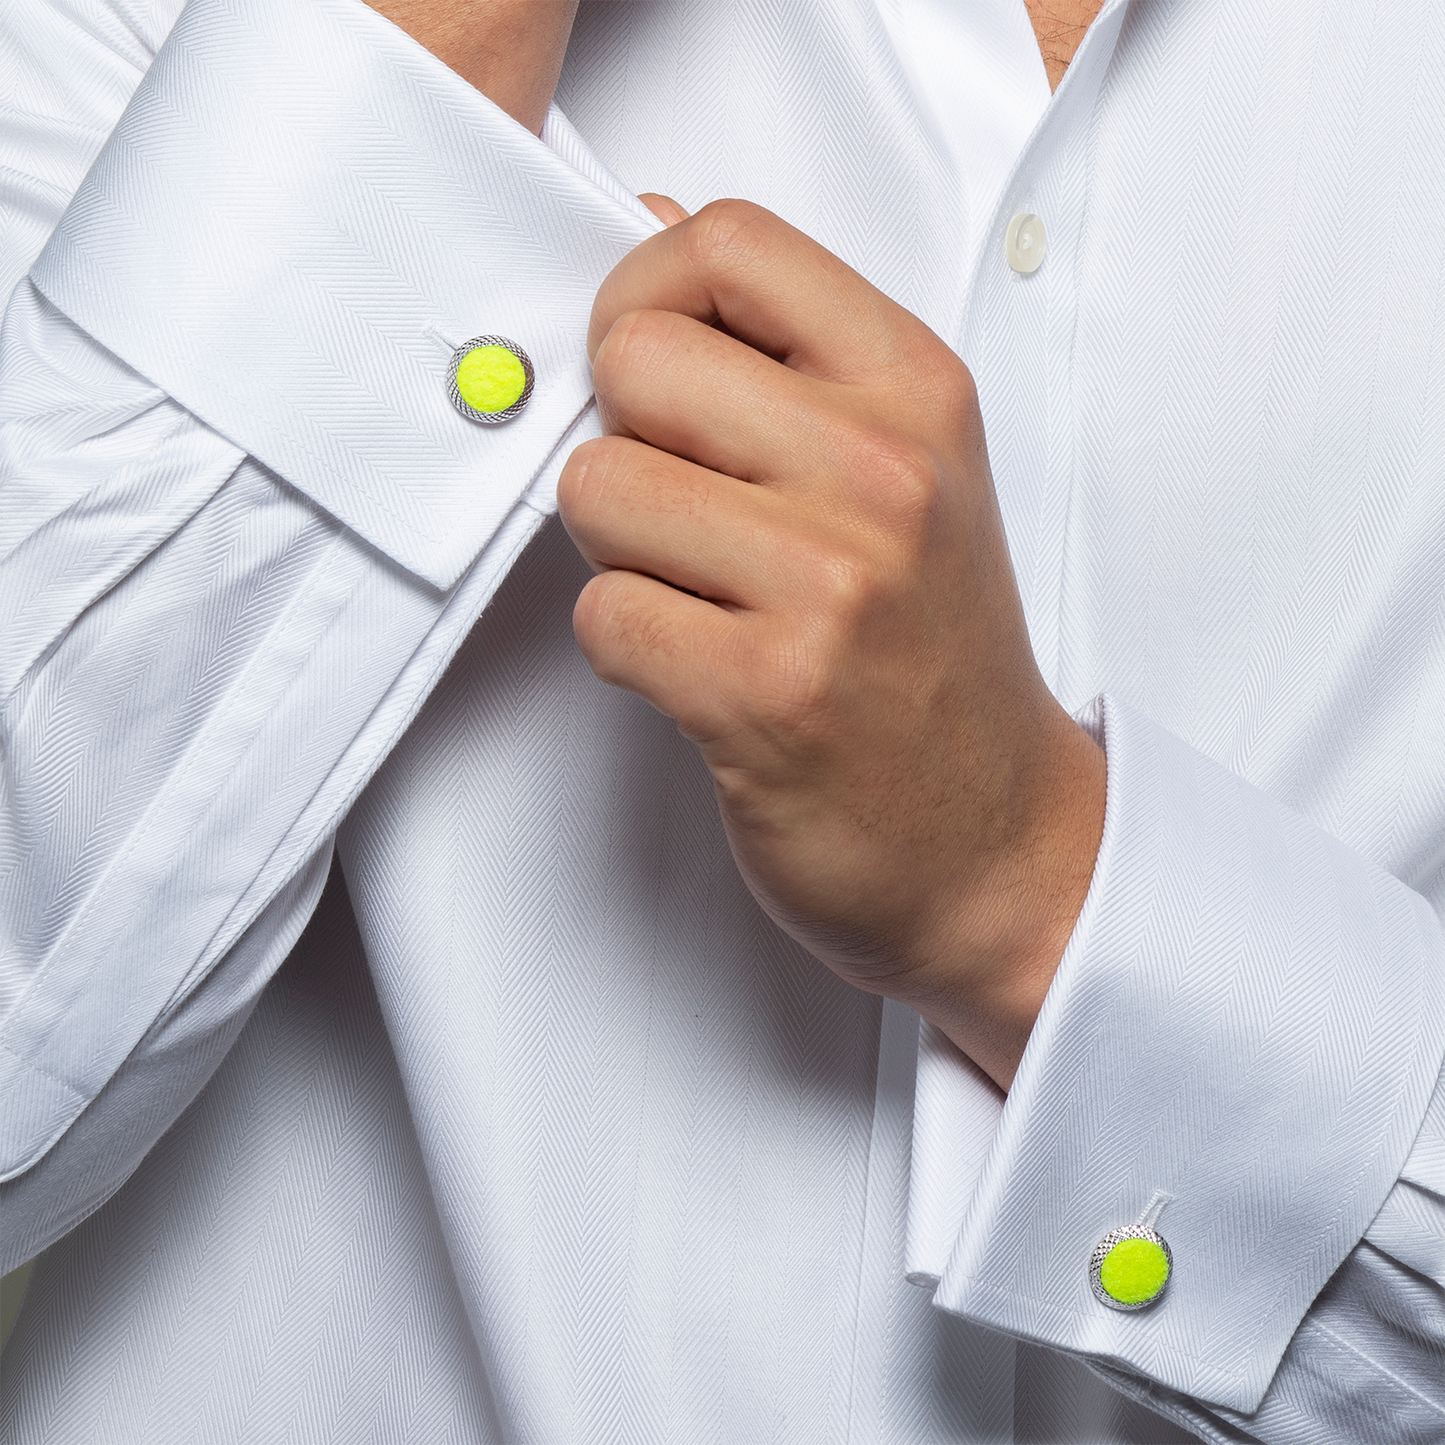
[[996, 948]]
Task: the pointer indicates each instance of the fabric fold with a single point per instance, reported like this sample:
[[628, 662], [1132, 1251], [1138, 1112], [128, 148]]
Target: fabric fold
[[403, 214]]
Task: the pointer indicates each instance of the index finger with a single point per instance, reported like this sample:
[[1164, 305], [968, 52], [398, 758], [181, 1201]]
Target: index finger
[[771, 287]]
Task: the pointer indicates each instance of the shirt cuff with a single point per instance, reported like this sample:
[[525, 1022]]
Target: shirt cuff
[[299, 217], [1410, 1226], [1246, 1028], [296, 217]]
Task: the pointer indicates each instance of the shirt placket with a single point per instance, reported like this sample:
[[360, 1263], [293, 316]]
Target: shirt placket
[[1019, 327], [1017, 338]]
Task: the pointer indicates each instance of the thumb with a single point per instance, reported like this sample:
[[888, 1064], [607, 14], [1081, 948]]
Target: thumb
[[663, 207]]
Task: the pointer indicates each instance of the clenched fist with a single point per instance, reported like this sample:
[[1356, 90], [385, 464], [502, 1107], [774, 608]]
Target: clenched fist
[[800, 559]]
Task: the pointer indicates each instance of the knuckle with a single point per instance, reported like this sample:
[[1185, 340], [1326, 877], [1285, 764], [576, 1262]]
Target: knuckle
[[587, 474], [900, 474], [727, 233], [633, 341], [789, 681], [600, 624], [851, 588], [590, 614], [957, 399], [950, 397], [617, 632], [836, 575]]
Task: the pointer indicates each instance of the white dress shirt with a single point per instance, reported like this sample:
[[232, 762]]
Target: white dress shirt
[[605, 1156]]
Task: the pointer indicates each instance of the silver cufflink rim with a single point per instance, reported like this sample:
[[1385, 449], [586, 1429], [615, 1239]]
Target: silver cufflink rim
[[490, 418], [1101, 1253]]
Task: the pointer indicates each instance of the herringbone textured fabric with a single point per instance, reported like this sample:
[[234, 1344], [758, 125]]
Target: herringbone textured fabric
[[603, 1156]]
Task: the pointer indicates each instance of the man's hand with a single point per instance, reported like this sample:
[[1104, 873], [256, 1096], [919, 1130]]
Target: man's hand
[[803, 564]]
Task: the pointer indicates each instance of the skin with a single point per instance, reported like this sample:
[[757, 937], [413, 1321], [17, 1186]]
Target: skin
[[1060, 26], [510, 50], [800, 558]]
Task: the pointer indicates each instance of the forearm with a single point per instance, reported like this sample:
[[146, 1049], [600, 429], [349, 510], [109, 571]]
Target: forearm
[[220, 653], [225, 664]]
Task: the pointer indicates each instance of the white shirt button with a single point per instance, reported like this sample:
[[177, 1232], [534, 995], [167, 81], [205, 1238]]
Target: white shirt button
[[1024, 243]]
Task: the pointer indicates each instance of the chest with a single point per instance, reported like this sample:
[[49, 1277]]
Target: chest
[[1060, 26], [1215, 411]]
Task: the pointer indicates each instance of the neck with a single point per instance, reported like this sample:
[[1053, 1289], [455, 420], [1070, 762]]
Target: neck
[[511, 50]]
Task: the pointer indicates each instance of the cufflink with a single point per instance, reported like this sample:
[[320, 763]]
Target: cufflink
[[491, 379], [1130, 1268]]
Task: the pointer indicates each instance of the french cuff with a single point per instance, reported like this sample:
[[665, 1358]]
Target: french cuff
[[1410, 1226], [299, 218], [1238, 1048]]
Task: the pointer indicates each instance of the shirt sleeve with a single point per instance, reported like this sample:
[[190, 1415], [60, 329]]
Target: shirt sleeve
[[1242, 1047], [1367, 1362], [243, 529]]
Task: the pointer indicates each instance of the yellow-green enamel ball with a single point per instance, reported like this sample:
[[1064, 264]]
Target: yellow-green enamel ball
[[1134, 1271], [490, 379]]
